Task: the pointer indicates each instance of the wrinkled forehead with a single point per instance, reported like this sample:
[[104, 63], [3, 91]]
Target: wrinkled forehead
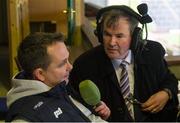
[[115, 22], [111, 19]]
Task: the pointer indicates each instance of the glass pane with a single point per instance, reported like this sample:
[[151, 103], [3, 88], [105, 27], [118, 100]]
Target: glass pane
[[166, 24]]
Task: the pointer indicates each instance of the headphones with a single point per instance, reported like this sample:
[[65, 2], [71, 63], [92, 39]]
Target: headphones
[[143, 18]]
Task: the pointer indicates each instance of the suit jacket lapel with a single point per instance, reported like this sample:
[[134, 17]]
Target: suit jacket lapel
[[107, 69]]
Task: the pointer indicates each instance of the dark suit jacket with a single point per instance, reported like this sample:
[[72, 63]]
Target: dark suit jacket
[[151, 76]]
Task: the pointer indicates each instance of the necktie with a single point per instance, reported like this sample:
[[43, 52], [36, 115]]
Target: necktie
[[124, 85]]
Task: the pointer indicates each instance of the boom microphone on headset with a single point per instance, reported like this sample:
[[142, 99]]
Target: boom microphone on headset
[[143, 10], [90, 93]]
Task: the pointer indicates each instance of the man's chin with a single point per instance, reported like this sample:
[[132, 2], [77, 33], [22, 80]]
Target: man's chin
[[112, 56], [116, 56]]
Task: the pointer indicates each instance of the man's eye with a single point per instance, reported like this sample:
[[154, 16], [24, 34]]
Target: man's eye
[[119, 36], [62, 64]]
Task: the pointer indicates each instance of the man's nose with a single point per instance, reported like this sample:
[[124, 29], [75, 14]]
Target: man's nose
[[69, 66], [112, 40]]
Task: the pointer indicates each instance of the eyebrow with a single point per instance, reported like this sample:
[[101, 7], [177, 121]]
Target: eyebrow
[[117, 34]]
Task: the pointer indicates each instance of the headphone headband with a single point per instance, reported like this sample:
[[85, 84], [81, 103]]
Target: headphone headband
[[142, 9], [123, 8]]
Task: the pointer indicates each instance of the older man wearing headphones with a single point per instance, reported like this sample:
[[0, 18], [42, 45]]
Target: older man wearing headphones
[[131, 72]]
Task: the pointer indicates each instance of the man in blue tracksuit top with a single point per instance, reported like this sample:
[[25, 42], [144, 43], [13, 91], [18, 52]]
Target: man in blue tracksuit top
[[40, 93]]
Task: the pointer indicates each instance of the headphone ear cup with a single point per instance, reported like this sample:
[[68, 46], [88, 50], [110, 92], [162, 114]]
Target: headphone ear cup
[[99, 32], [136, 38]]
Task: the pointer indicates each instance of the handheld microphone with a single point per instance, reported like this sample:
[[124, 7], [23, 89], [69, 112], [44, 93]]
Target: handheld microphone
[[90, 93]]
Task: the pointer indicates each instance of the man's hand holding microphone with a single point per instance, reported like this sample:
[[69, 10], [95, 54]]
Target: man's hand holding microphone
[[91, 95]]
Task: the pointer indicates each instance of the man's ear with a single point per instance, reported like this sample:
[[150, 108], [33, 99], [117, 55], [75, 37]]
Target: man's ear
[[38, 74]]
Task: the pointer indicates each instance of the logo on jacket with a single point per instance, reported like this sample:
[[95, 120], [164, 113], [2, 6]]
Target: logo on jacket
[[38, 105], [58, 112]]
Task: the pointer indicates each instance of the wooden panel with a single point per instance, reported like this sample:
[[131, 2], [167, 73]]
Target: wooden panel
[[49, 10], [45, 10], [18, 23]]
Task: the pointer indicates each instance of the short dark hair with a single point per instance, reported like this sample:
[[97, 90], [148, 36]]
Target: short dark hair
[[32, 51], [111, 18]]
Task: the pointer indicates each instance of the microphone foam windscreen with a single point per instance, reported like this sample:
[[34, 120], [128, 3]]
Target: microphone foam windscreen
[[89, 92], [142, 9]]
